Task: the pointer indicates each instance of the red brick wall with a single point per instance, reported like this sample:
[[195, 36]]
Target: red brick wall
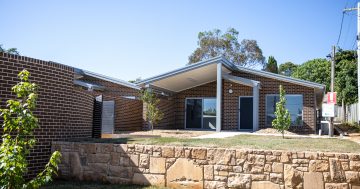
[[206, 90], [230, 102], [271, 86], [63, 110], [128, 112]]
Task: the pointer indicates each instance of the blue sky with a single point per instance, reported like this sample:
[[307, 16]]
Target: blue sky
[[129, 39]]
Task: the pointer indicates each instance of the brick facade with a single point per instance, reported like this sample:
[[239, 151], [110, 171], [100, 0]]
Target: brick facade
[[128, 112], [230, 102], [63, 109]]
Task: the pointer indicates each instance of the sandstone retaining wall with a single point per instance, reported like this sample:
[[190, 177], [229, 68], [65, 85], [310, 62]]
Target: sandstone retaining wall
[[192, 167]]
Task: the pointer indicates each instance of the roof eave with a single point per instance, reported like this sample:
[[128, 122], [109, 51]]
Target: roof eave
[[106, 78]]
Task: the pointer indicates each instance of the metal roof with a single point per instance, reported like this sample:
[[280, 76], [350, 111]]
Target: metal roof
[[232, 67], [107, 78]]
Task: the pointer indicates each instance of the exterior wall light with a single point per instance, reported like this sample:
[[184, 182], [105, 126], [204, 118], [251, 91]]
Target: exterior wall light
[[230, 90]]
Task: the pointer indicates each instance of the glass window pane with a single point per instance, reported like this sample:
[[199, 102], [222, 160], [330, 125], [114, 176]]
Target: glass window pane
[[209, 114], [294, 103], [193, 113]]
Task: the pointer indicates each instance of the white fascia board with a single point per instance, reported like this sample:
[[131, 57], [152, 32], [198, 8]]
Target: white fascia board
[[111, 79], [185, 69], [282, 78], [241, 80]]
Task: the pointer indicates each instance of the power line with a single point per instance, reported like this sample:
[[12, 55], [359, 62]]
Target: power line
[[341, 26]]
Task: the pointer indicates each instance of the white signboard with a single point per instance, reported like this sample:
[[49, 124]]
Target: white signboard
[[328, 110]]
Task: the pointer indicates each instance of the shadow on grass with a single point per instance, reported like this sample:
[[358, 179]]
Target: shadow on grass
[[105, 140], [62, 184]]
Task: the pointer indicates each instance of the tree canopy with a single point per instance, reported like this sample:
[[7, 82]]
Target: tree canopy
[[316, 70], [271, 65], [215, 43], [346, 76], [319, 70], [287, 68], [10, 51]]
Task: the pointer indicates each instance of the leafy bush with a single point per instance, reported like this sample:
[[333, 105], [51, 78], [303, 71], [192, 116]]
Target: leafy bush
[[350, 127], [18, 138], [153, 114], [282, 119]]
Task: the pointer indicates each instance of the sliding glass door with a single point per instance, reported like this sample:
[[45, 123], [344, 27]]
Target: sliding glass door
[[200, 113]]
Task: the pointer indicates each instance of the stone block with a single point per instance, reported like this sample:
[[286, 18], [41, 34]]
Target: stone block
[[271, 158], [277, 167], [239, 180], [208, 172], [120, 171], [352, 177], [144, 161], [345, 165], [276, 178], [157, 165], [284, 158], [120, 148], [179, 152], [104, 148], [148, 179], [300, 161], [168, 151], [76, 170], [139, 148], [355, 165], [115, 158], [259, 177], [318, 166], [98, 158], [336, 186], [313, 180], [134, 160], [337, 174], [241, 154], [237, 169], [184, 174], [125, 161], [198, 153], [311, 155], [292, 177], [267, 167], [90, 148], [215, 185], [264, 185]]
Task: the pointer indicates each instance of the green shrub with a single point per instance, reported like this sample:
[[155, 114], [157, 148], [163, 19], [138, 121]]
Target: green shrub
[[18, 138], [282, 119]]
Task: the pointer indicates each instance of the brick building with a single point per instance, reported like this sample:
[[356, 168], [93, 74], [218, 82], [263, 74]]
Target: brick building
[[66, 99], [212, 95], [217, 95]]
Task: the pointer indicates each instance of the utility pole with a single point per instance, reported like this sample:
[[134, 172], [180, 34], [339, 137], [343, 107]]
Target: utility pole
[[333, 52], [358, 53]]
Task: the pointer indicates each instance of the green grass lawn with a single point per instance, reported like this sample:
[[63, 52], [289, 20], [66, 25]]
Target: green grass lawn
[[251, 141], [93, 185]]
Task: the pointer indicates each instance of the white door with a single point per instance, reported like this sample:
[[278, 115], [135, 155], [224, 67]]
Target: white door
[[107, 119]]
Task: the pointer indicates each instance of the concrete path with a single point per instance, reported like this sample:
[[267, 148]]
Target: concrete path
[[220, 135], [224, 134]]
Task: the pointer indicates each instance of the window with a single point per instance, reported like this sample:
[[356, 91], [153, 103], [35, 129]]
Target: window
[[294, 103], [200, 113]]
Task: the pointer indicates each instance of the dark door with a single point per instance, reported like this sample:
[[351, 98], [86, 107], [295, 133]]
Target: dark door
[[97, 117], [193, 113], [246, 113]]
